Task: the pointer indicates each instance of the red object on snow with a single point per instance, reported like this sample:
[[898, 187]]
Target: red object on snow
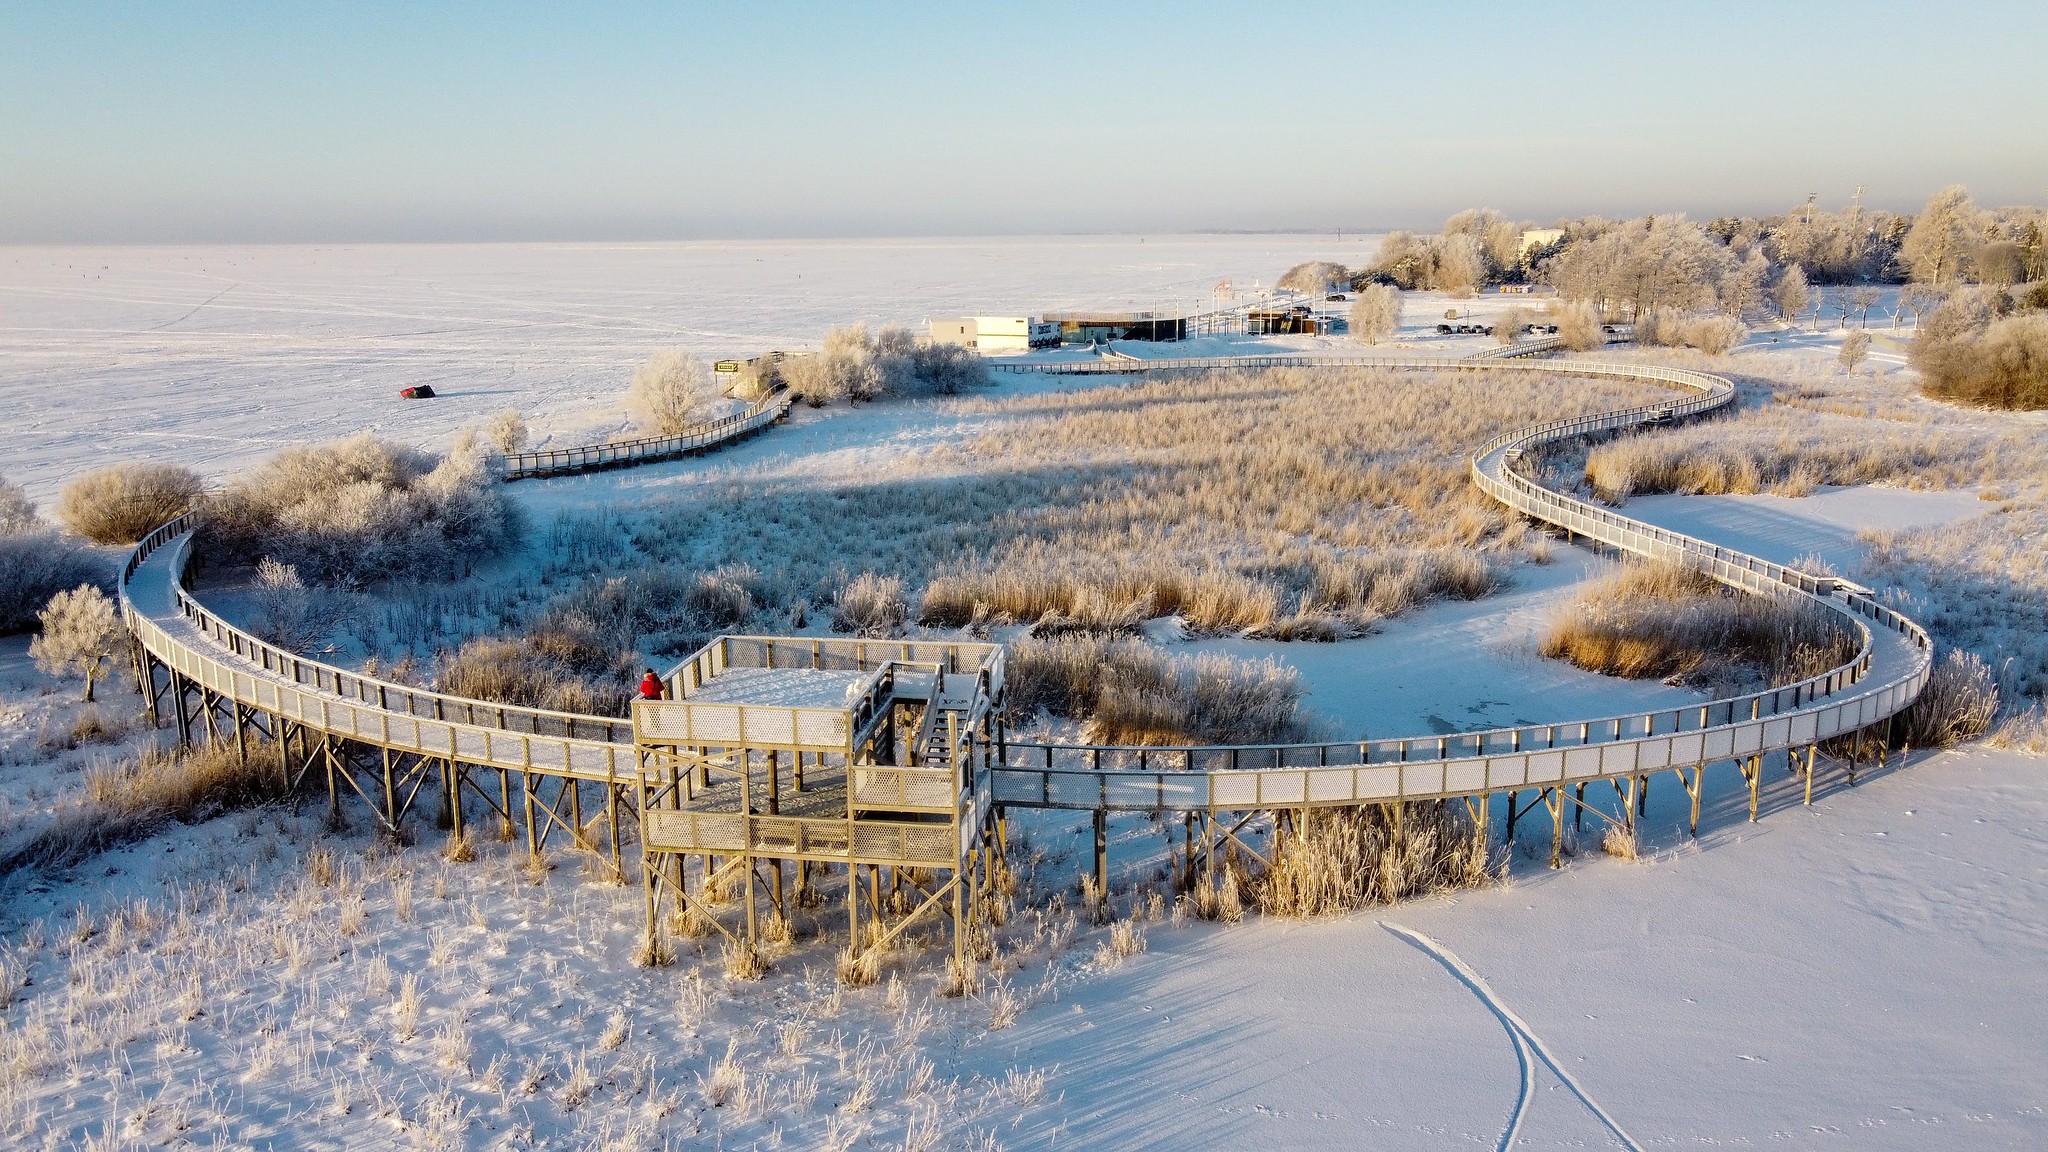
[[418, 392], [651, 687]]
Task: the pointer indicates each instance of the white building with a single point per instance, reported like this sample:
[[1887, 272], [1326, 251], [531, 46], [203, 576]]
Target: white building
[[995, 333]]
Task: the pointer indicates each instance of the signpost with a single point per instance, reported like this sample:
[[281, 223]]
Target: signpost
[[728, 367]]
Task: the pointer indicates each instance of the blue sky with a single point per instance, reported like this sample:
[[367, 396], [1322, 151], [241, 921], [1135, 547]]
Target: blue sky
[[203, 121]]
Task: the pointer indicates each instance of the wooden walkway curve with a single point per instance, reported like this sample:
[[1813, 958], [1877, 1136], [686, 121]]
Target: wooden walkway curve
[[384, 741]]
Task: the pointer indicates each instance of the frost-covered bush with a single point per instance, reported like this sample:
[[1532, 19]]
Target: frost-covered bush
[[857, 365], [1715, 335], [670, 392], [562, 667], [121, 503], [870, 605], [1578, 325], [362, 510], [1132, 693], [17, 511], [35, 562], [289, 614], [1964, 355], [507, 431], [1315, 276]]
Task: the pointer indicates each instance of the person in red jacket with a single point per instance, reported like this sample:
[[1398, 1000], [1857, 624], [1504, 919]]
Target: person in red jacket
[[651, 687]]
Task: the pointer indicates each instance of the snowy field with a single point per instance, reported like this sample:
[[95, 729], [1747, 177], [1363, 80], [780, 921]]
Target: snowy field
[[214, 357], [1860, 974]]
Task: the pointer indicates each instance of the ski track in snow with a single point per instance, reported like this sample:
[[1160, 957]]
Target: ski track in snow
[[1525, 1041]]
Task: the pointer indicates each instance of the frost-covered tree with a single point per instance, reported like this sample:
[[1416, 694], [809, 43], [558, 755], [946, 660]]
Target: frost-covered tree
[[1855, 349], [17, 512], [1743, 287], [80, 633], [1460, 265], [289, 614], [1938, 245], [1376, 314], [1790, 293], [669, 392], [2001, 262], [507, 431]]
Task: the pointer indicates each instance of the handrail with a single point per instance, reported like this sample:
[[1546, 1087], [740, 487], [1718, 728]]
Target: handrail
[[1030, 765], [374, 711], [623, 453]]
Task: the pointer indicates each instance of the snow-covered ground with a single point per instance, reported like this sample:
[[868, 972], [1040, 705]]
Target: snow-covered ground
[[1858, 974]]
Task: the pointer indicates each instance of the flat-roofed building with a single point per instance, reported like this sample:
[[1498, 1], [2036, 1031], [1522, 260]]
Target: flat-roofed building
[[995, 333]]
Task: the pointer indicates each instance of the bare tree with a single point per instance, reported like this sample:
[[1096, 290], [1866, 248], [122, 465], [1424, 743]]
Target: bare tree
[[80, 632], [1743, 287], [1941, 238], [1919, 300], [1863, 299], [1376, 314], [289, 614], [1855, 349], [669, 392], [1790, 293]]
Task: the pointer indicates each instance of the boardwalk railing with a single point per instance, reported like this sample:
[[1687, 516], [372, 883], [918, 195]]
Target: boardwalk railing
[[1843, 699], [1882, 678], [626, 453]]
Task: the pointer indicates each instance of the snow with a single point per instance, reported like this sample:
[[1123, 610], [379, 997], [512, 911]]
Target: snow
[[785, 687], [217, 356], [1825, 524], [1857, 974], [1461, 666], [1862, 973]]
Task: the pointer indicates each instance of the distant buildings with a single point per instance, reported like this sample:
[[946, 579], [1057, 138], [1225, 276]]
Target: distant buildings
[[996, 333]]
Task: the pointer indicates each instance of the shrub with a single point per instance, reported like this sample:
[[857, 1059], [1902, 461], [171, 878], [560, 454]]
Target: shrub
[[670, 392], [1958, 704], [1317, 276], [870, 605], [507, 431], [17, 512], [128, 801], [1339, 859], [1578, 325], [289, 614], [122, 503], [1715, 335], [2002, 364], [557, 666], [361, 510], [1666, 620], [855, 365], [81, 632], [35, 564]]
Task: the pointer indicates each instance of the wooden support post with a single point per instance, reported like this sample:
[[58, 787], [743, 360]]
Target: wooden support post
[[1514, 813], [1102, 855], [333, 789], [774, 783], [390, 794], [452, 777], [1554, 797], [1578, 805], [1643, 794], [505, 796], [1809, 770], [532, 835], [1753, 772]]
